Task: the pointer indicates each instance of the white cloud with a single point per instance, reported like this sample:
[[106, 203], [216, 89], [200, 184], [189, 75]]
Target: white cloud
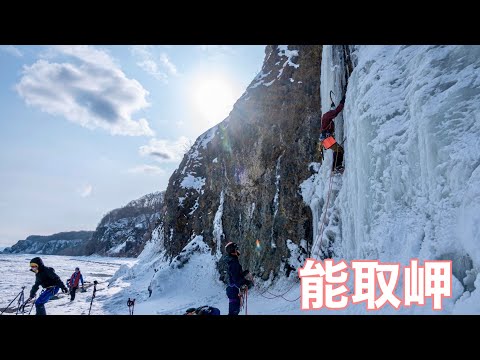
[[146, 60], [141, 50], [217, 48], [12, 50], [146, 169], [168, 64], [151, 67], [91, 91], [165, 150], [85, 191], [217, 52], [87, 54]]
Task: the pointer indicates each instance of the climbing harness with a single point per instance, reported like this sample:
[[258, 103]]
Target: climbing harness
[[95, 282], [131, 305]]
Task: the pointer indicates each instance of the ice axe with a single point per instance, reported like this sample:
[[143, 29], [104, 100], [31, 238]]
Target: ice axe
[[332, 104]]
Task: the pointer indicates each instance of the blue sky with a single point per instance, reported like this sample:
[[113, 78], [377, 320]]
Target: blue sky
[[86, 129]]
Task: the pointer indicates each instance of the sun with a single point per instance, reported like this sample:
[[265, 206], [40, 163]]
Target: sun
[[213, 98]]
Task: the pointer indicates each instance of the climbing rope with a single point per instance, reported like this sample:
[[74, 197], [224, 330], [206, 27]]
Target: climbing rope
[[275, 296], [246, 300], [282, 295], [321, 233], [326, 207], [348, 64]]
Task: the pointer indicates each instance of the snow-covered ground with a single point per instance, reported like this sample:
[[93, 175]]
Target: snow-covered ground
[[15, 273], [174, 290], [411, 189], [191, 281]]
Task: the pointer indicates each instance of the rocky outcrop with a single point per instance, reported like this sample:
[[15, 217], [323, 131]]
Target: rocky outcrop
[[64, 243], [124, 231], [240, 180]]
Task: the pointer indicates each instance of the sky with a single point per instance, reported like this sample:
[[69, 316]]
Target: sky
[[410, 190], [86, 129]]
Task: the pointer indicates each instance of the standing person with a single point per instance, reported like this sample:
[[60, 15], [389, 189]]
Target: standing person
[[237, 279], [328, 132], [74, 280], [51, 283]]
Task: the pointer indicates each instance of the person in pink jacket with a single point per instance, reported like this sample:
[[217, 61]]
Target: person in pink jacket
[[75, 279]]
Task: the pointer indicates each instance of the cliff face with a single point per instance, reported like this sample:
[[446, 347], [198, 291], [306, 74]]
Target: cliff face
[[124, 231], [410, 190], [240, 180], [64, 243]]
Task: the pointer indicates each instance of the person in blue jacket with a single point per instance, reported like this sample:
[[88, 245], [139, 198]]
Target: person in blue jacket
[[238, 279]]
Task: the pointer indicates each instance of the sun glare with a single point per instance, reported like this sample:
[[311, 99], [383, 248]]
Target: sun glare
[[213, 98]]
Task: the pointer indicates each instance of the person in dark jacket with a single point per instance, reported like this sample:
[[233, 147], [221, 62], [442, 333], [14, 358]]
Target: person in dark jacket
[[51, 283], [328, 129], [238, 279], [203, 310], [75, 279]]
